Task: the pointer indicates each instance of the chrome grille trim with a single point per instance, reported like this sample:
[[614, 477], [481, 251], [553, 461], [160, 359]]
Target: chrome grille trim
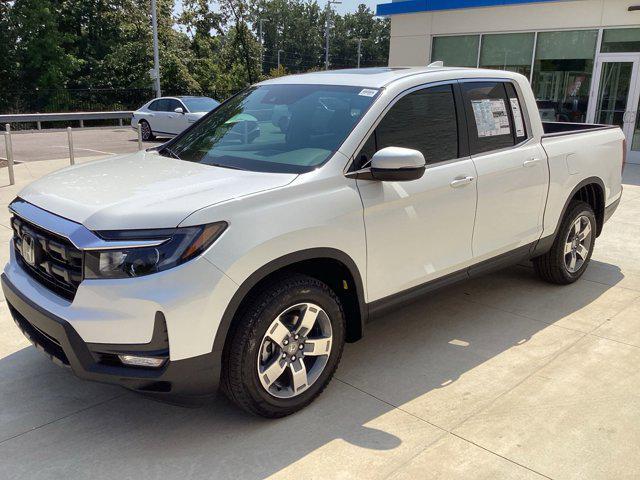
[[80, 236]]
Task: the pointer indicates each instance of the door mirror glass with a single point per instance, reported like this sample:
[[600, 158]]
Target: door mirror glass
[[179, 110], [397, 164]]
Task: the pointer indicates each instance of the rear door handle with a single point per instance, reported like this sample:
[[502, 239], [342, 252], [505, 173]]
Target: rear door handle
[[461, 182], [531, 163]]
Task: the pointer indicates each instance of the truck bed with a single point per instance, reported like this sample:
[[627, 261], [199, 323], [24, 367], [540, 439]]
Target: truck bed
[[566, 128]]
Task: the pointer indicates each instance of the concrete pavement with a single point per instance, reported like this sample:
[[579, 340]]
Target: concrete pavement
[[32, 146], [500, 377]]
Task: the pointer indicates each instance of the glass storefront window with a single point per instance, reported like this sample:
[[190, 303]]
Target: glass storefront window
[[562, 74], [509, 51], [458, 51], [615, 82], [621, 40]]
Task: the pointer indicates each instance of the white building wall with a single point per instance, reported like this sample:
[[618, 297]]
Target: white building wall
[[411, 33]]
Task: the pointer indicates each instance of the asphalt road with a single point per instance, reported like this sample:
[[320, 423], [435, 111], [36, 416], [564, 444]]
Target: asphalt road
[[88, 142]]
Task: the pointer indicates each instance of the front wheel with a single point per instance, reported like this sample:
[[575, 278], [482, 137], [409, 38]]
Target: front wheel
[[285, 348], [571, 252]]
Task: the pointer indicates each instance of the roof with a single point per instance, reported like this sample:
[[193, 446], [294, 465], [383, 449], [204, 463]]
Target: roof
[[411, 6], [376, 77]]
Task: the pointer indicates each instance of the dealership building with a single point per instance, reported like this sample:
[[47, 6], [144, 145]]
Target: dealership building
[[581, 56]]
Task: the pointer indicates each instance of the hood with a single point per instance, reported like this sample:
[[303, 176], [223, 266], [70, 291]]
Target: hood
[[142, 190]]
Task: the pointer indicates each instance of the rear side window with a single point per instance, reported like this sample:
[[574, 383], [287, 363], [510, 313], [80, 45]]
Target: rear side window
[[515, 104], [424, 120], [155, 106], [489, 116], [161, 105]]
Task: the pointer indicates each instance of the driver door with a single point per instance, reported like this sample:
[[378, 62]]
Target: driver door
[[420, 230]]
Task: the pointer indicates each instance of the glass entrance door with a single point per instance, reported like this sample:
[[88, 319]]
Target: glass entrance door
[[617, 97]]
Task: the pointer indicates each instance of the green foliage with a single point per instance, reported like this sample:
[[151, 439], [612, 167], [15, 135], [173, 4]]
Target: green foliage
[[212, 47]]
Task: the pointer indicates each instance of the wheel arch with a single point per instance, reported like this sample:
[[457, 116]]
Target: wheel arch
[[329, 265], [590, 190]]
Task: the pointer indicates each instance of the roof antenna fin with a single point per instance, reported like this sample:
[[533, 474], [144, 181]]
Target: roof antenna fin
[[438, 64]]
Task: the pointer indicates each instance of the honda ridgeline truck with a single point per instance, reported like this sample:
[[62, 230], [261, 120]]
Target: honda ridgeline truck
[[242, 254]]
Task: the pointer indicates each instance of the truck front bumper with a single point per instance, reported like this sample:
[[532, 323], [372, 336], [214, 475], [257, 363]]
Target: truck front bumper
[[178, 381]]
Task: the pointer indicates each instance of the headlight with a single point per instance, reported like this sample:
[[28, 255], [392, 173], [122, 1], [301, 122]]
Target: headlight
[[176, 246]]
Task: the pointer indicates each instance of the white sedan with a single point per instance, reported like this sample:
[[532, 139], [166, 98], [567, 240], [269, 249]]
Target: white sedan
[[168, 116]]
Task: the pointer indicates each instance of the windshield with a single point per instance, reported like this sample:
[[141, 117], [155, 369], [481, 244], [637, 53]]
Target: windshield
[[275, 128], [200, 104]]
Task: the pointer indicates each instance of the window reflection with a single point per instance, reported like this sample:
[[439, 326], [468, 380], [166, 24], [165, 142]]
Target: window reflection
[[511, 51], [562, 74], [457, 51]]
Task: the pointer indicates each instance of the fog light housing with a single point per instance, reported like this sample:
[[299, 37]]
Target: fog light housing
[[138, 361]]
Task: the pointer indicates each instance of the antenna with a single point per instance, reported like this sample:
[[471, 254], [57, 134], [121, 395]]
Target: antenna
[[437, 64]]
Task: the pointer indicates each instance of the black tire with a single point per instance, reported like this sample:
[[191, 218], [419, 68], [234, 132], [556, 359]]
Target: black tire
[[552, 266], [147, 133], [240, 379]]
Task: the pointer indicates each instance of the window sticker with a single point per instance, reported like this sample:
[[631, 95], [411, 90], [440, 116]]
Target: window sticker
[[492, 119], [517, 117], [368, 92]]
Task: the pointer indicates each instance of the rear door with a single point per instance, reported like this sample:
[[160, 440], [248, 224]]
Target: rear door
[[420, 230], [160, 123], [176, 122], [513, 175], [152, 115]]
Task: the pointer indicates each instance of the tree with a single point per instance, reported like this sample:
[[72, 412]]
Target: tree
[[40, 55], [50, 46], [7, 70]]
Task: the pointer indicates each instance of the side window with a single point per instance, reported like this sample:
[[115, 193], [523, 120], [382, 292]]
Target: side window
[[517, 114], [155, 106], [488, 116], [172, 104], [424, 120], [367, 151]]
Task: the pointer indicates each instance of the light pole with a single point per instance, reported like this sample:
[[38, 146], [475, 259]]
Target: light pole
[[279, 58], [359, 50], [326, 32], [156, 55], [260, 22]]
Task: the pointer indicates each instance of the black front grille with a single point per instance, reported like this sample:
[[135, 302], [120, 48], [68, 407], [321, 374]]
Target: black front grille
[[52, 260]]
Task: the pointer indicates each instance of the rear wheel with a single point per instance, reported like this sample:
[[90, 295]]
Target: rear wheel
[[147, 133], [286, 347], [571, 252]]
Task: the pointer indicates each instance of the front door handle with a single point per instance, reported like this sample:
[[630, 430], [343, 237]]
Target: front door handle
[[461, 182], [531, 162]]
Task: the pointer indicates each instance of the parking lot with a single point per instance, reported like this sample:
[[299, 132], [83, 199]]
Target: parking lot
[[500, 377], [29, 146]]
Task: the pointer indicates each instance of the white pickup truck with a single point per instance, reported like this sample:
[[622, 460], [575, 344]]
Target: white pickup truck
[[245, 252]]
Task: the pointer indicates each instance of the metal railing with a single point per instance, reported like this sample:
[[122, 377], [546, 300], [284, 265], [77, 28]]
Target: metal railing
[[9, 148], [40, 118]]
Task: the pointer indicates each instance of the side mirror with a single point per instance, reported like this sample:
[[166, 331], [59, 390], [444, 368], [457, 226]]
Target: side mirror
[[179, 110], [394, 164]]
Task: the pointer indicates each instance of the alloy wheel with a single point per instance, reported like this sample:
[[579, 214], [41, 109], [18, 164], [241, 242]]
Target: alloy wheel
[[577, 244], [294, 350], [146, 130]]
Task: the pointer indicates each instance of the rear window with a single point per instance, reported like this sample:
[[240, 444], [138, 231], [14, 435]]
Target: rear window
[[200, 104]]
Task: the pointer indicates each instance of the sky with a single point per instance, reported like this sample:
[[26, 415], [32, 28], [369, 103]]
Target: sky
[[347, 6]]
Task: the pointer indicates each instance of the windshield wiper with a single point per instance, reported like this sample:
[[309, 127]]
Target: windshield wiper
[[171, 152], [224, 166]]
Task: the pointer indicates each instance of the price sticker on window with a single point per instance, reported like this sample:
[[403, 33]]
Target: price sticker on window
[[517, 117]]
